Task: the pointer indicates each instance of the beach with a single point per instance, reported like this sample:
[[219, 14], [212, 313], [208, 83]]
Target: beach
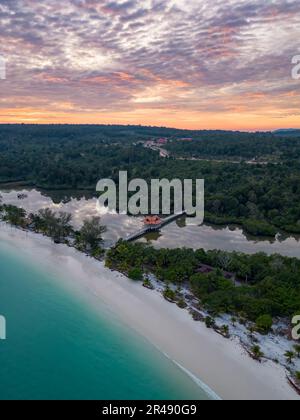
[[222, 365]]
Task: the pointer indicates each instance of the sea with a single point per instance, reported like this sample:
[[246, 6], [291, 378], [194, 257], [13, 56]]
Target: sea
[[58, 347]]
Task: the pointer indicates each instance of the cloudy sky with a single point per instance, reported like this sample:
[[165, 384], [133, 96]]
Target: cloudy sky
[[193, 64]]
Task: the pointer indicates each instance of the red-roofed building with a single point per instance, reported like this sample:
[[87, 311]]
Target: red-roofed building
[[162, 141], [152, 221]]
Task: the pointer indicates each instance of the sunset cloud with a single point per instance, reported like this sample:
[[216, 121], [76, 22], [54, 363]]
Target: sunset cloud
[[195, 63]]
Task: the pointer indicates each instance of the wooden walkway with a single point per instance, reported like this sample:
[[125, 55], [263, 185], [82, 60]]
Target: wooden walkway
[[157, 228]]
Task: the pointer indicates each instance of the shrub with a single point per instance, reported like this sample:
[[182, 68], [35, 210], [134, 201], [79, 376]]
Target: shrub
[[135, 274], [264, 324]]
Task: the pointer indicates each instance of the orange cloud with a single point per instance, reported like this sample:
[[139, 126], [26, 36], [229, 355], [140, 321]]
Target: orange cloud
[[185, 119], [51, 79]]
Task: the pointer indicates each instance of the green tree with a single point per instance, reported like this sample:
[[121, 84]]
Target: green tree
[[14, 215], [257, 353], [135, 274], [264, 323], [91, 232], [56, 226], [297, 349], [225, 330], [169, 294], [233, 320], [289, 355], [209, 322]]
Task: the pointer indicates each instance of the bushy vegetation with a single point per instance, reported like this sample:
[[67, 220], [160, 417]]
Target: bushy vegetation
[[259, 287], [264, 323], [135, 274]]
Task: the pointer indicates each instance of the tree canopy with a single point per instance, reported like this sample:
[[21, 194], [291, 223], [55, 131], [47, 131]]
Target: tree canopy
[[259, 287], [264, 198]]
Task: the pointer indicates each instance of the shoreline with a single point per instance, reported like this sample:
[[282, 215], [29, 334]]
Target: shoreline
[[221, 364]]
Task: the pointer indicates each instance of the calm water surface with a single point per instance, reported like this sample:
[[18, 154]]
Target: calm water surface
[[58, 347], [177, 234]]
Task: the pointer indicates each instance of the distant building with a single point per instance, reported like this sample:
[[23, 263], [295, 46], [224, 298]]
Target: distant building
[[162, 141]]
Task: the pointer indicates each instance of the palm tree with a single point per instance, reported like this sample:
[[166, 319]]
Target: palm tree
[[233, 320], [297, 349], [257, 353], [209, 322], [225, 330], [290, 355]]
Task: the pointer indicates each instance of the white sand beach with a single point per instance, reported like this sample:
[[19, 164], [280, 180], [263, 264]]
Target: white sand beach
[[221, 364]]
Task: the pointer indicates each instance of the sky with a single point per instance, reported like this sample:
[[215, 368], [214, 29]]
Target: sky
[[197, 64]]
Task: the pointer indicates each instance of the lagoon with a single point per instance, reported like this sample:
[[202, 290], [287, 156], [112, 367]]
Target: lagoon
[[183, 233]]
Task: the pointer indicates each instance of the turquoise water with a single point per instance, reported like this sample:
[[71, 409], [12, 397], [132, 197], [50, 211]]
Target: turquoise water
[[58, 347]]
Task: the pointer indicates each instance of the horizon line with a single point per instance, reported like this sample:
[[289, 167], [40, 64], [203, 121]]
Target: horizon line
[[148, 126]]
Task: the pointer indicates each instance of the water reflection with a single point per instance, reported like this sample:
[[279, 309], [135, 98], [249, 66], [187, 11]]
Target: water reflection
[[118, 226], [226, 238], [183, 232]]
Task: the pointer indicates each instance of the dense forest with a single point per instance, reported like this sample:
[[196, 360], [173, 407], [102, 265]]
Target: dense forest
[[261, 147], [262, 198], [250, 286], [65, 156]]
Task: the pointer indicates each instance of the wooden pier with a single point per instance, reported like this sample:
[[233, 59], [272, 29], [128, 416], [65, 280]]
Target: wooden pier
[[155, 228]]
